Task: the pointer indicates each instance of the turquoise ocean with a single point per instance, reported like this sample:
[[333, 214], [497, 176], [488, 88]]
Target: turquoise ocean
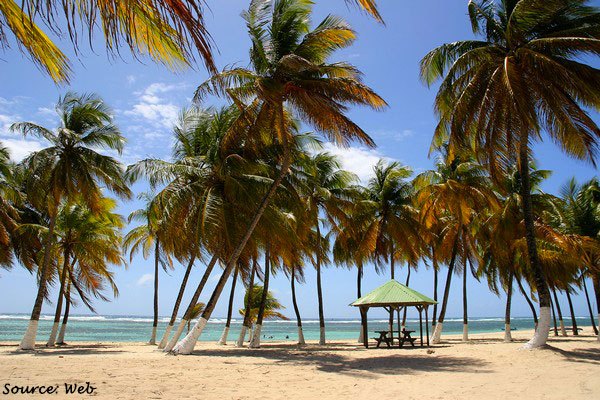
[[124, 328]]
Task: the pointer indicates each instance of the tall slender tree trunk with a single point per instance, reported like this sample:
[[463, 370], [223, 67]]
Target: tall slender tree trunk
[[359, 274], [554, 317], [465, 336], [52, 339], [589, 305], [63, 327], [301, 340], [186, 346], [319, 288], [247, 305], [435, 294], [155, 319], [561, 322], [529, 302], [28, 341], [596, 283], [165, 338], [541, 334], [573, 318], [255, 341], [437, 333], [507, 331], [392, 271], [405, 308], [223, 340], [186, 316]]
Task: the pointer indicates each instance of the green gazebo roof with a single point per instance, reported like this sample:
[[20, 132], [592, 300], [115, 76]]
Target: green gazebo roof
[[393, 293]]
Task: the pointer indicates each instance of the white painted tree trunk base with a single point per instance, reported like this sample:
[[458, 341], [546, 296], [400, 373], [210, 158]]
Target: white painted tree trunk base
[[176, 336], [61, 334], [301, 340], [563, 331], [465, 337], [255, 341], [52, 339], [187, 344], [507, 333], [153, 337], [28, 342], [541, 333], [165, 338], [437, 333], [322, 335], [242, 336], [223, 340]]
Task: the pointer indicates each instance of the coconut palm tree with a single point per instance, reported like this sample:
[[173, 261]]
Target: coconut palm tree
[[454, 195], [223, 339], [8, 213], [194, 313], [70, 168], [289, 68], [271, 306], [529, 65], [170, 32], [147, 237]]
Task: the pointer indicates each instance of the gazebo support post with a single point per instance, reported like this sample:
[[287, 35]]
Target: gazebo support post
[[427, 325], [420, 308], [363, 316], [399, 331]]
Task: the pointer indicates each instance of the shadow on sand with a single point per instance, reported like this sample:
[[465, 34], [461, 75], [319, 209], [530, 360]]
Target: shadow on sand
[[66, 350]]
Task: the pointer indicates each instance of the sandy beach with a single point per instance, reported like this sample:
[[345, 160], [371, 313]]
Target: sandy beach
[[485, 366]]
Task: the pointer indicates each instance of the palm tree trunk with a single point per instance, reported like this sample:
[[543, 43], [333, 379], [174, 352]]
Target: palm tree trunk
[[541, 335], [223, 340], [63, 327], [563, 331], [193, 301], [554, 317], [155, 320], [246, 323], [589, 304], [28, 341], [437, 333], [165, 338], [320, 289], [405, 308], [301, 340], [573, 320], [435, 294], [596, 284], [359, 295], [465, 306], [52, 339], [255, 341], [529, 302], [392, 271], [507, 331], [186, 346]]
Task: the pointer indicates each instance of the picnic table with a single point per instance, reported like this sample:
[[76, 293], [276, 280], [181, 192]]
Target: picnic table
[[389, 340]]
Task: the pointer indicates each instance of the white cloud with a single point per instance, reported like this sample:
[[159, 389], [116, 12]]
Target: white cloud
[[145, 279], [21, 148], [131, 79], [359, 160], [394, 134], [154, 107]]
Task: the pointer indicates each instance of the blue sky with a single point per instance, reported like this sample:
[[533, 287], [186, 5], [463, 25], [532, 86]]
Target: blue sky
[[146, 99]]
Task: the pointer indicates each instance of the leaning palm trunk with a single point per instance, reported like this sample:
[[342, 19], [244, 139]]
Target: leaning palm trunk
[[554, 317], [320, 289], [359, 295], [405, 308], [223, 340], [465, 336], [296, 310], [563, 331], [435, 294], [63, 327], [28, 341], [186, 346], [541, 333], [255, 340], [52, 339], [596, 283], [437, 333], [184, 321], [529, 303], [165, 338], [507, 332], [155, 318], [589, 305], [573, 319], [246, 322]]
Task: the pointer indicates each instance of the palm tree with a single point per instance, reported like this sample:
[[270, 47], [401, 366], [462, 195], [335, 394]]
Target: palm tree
[[528, 66], [326, 188], [223, 339], [271, 306], [289, 68], [8, 213], [452, 197], [147, 237], [70, 168], [169, 32], [194, 313]]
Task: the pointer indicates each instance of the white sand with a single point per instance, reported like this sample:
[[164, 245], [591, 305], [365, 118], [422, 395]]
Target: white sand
[[484, 368]]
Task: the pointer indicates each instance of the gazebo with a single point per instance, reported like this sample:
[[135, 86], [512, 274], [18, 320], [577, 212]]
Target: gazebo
[[394, 296]]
